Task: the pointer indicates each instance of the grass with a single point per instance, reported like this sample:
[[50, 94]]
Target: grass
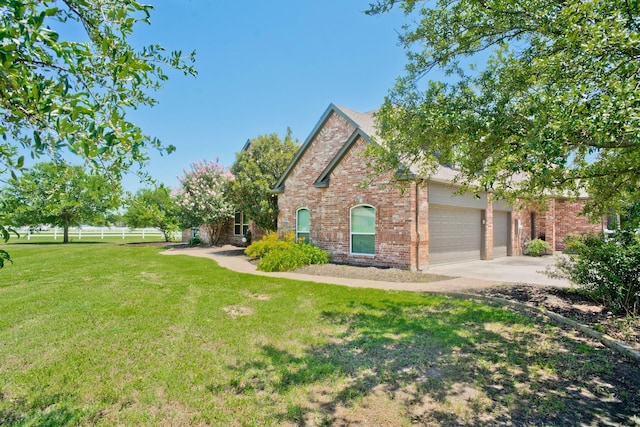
[[100, 334]]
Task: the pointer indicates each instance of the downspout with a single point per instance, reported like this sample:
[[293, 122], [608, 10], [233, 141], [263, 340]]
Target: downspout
[[419, 236]]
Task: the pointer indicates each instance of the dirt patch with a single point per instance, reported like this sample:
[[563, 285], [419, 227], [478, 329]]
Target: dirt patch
[[237, 310]]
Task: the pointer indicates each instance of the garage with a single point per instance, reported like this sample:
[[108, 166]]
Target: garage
[[455, 234], [501, 233]]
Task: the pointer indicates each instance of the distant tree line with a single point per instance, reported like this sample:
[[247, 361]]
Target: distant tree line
[[63, 195]]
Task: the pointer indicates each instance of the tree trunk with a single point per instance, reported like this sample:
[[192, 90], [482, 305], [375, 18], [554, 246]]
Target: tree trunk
[[213, 232], [66, 231]]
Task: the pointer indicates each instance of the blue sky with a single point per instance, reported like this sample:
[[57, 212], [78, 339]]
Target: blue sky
[[263, 67]]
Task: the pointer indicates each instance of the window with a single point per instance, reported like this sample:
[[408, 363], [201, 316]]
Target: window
[[302, 225], [240, 224], [195, 232], [612, 222], [363, 230]]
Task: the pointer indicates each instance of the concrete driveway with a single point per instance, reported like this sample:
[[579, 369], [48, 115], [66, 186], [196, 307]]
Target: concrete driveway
[[513, 269]]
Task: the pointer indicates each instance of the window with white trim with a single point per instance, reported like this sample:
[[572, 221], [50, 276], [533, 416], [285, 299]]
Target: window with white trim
[[363, 230], [303, 225], [240, 224]]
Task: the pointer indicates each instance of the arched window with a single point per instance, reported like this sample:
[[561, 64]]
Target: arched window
[[363, 230], [302, 225]]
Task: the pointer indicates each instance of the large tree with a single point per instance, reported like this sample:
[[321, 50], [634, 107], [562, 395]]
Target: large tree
[[542, 96], [60, 195], [68, 78], [203, 200], [153, 207], [256, 171]]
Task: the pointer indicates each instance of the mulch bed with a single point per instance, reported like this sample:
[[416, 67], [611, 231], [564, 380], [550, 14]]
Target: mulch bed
[[573, 305]]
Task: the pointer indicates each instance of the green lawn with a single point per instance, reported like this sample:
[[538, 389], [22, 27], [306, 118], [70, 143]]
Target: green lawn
[[100, 334]]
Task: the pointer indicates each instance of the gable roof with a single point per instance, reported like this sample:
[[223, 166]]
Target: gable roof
[[363, 121], [323, 179], [364, 126]]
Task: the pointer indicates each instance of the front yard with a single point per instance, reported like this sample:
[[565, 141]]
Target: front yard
[[99, 334]]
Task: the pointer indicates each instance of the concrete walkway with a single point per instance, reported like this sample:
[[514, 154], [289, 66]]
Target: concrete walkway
[[468, 276]]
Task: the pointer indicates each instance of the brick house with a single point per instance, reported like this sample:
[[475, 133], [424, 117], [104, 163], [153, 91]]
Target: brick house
[[321, 199], [232, 233]]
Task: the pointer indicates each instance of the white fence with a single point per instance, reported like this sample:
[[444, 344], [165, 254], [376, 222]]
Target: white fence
[[93, 232]]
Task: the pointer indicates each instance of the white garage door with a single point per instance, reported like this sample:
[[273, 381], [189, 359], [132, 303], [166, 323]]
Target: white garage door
[[500, 233], [454, 234]]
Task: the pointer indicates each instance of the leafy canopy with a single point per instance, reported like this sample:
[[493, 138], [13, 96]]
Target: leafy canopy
[[153, 207], [554, 102], [59, 93], [60, 195], [256, 171]]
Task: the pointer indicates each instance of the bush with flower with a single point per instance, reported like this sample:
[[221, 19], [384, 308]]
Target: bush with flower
[[202, 199]]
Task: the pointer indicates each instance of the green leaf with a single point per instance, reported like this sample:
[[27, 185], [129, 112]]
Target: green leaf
[[554, 82]]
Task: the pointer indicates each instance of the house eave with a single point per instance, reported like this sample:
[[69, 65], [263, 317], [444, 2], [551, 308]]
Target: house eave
[[278, 190]]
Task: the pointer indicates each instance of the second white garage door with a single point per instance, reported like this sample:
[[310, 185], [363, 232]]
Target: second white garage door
[[454, 234]]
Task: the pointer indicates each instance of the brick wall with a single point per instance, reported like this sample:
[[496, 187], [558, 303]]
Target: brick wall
[[227, 235], [486, 252], [186, 235], [570, 221], [420, 237], [521, 233], [553, 222], [330, 208]]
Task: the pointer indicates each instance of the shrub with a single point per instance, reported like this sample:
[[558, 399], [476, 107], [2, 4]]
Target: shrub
[[313, 254], [571, 244], [283, 260], [537, 247], [267, 244], [294, 256], [606, 269], [284, 254], [195, 241]]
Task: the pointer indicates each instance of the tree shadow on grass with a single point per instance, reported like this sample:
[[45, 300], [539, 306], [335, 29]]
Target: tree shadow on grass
[[44, 410], [454, 363]]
